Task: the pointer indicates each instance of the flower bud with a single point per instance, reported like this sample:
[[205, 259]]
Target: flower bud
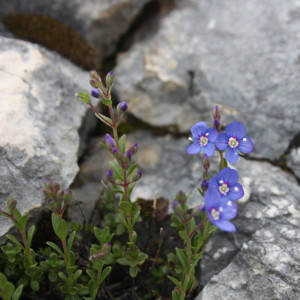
[[95, 93], [137, 176], [109, 141], [109, 173], [94, 75], [201, 207], [204, 185], [181, 197], [11, 205], [217, 113], [175, 203], [123, 106], [205, 162], [109, 79]]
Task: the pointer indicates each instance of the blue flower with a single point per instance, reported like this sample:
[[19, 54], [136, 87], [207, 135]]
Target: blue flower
[[226, 185], [203, 139], [234, 141], [220, 211]]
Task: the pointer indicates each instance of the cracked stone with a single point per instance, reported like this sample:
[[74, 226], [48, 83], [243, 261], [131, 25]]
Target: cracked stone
[[244, 57]]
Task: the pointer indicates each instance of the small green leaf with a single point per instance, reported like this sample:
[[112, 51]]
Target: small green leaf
[[62, 276], [77, 274], [18, 292], [117, 170], [55, 221], [142, 257], [22, 221], [123, 261], [174, 280], [84, 97], [71, 240], [8, 290], [175, 295], [62, 229], [131, 171], [92, 274], [182, 258], [55, 247], [126, 207], [133, 271], [30, 234], [14, 240], [34, 284], [121, 143], [104, 274], [107, 101], [52, 276], [104, 119]]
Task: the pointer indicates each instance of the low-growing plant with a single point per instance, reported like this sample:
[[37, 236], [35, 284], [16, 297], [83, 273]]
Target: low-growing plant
[[115, 246]]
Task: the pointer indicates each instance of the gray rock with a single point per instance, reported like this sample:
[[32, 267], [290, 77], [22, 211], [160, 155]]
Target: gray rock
[[101, 23], [242, 56], [40, 118], [259, 261]]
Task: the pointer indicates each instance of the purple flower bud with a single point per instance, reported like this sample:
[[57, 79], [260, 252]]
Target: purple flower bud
[[110, 140], [137, 176], [109, 79], [115, 150], [201, 207], [217, 113], [181, 197], [123, 106], [128, 154], [204, 185], [95, 93], [175, 204], [94, 75], [217, 124], [109, 173]]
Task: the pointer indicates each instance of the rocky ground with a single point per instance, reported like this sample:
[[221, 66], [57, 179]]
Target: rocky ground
[[174, 60]]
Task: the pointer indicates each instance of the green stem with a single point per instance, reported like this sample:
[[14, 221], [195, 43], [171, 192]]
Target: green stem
[[68, 264], [222, 160], [27, 248]]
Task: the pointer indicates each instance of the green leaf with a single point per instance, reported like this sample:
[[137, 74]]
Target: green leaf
[[174, 280], [35, 285], [183, 235], [104, 274], [117, 170], [77, 274], [22, 221], [142, 257], [126, 207], [84, 97], [182, 258], [121, 143], [14, 240], [123, 261], [55, 221], [107, 101], [131, 170], [104, 119], [7, 291], [18, 292], [133, 271], [62, 276], [71, 240], [30, 234], [62, 229], [17, 214], [55, 247], [175, 295], [52, 276], [92, 274]]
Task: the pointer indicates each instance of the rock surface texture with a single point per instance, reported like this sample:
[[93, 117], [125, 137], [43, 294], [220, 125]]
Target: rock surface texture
[[39, 122], [261, 260], [101, 23], [243, 56]]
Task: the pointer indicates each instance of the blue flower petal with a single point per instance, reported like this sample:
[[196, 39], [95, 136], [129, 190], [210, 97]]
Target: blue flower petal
[[222, 142], [212, 135], [209, 149], [231, 155], [194, 148], [214, 184], [229, 210], [228, 175], [236, 192], [198, 129], [246, 145], [225, 225], [212, 199], [235, 129]]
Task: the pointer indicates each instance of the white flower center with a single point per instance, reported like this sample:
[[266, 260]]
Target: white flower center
[[233, 143], [215, 214], [223, 188], [203, 140]]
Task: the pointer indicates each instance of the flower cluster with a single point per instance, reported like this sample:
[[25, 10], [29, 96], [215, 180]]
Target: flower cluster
[[220, 192]]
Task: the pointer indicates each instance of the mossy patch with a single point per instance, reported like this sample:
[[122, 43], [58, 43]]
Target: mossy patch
[[55, 36]]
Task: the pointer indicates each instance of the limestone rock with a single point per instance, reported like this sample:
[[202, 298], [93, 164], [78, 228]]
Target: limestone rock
[[243, 56], [293, 161], [39, 122]]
